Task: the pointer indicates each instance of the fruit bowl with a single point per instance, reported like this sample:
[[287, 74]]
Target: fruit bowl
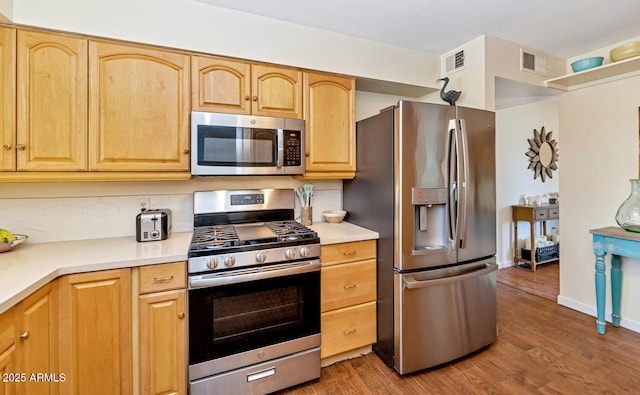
[[4, 247], [625, 51], [334, 216], [586, 64]]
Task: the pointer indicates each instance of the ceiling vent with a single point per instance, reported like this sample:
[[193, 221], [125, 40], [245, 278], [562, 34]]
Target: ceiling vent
[[455, 62], [532, 62]]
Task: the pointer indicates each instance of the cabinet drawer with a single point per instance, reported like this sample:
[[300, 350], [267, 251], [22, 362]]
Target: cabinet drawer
[[348, 284], [554, 213], [541, 213], [163, 277], [7, 330], [333, 254], [347, 329]]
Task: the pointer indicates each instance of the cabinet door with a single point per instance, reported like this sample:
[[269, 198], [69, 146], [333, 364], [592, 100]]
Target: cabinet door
[[51, 110], [330, 124], [7, 366], [36, 321], [163, 355], [8, 100], [95, 332], [276, 91], [220, 85], [138, 108]]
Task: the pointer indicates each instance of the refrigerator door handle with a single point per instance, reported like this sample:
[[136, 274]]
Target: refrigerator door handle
[[411, 281], [462, 183], [452, 181]]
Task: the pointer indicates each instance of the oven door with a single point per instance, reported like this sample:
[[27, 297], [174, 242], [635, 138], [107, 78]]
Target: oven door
[[251, 317]]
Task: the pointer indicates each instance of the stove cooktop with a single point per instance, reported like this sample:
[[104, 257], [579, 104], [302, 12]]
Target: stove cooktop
[[218, 239]]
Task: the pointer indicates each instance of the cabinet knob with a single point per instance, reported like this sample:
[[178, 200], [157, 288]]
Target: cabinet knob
[[25, 335], [21, 147], [6, 146], [186, 150], [255, 98], [180, 315], [247, 98], [306, 154]]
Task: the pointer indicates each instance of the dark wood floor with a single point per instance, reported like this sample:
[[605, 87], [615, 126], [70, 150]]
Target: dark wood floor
[[542, 348]]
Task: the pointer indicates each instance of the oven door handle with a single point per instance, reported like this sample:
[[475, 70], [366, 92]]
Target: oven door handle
[[260, 273]]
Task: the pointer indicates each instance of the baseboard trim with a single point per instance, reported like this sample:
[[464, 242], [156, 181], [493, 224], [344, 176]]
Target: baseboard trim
[[592, 311]]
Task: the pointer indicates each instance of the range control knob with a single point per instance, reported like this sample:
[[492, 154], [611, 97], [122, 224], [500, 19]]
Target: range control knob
[[304, 252], [212, 263], [229, 261], [289, 253], [261, 257]]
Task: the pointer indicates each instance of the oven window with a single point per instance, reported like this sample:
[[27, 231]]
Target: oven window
[[234, 318], [231, 146]]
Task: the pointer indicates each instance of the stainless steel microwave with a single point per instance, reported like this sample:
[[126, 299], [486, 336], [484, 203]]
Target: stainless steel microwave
[[229, 144]]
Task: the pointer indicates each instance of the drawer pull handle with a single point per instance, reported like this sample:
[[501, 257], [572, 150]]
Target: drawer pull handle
[[163, 279], [350, 286], [181, 315], [25, 335], [349, 253], [349, 332]]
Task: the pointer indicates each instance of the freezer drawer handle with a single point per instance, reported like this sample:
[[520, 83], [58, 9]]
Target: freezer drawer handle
[[349, 332], [260, 375], [411, 282]]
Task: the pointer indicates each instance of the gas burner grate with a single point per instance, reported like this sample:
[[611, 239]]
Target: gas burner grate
[[213, 237], [290, 230]]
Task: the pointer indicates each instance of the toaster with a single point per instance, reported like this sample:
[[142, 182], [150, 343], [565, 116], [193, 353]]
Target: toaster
[[152, 225]]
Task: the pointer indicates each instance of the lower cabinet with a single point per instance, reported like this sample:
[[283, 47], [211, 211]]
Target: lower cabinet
[[36, 343], [7, 352], [95, 332], [162, 329], [348, 297]]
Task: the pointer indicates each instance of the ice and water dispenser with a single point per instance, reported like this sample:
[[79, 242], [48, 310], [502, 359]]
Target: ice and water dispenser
[[430, 224]]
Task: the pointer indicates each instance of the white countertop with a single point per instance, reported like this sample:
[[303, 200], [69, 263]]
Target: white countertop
[[32, 265]]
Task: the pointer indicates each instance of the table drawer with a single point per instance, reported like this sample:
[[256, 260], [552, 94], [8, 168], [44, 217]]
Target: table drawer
[[348, 284], [554, 213], [333, 254], [7, 330], [541, 213], [155, 278], [347, 329]]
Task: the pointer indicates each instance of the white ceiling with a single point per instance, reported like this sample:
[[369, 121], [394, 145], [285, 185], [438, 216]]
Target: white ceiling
[[565, 28]]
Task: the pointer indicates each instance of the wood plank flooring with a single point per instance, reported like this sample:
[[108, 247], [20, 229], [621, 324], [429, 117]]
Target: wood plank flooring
[[542, 348]]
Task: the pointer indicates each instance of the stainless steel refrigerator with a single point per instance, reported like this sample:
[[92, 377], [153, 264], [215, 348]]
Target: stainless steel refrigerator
[[425, 182]]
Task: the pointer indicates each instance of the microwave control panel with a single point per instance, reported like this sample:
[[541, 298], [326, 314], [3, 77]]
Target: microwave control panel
[[292, 148]]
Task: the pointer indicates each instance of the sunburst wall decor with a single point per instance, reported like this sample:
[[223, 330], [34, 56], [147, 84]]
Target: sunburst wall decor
[[542, 154]]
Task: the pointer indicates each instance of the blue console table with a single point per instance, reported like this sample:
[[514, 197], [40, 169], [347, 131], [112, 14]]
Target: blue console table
[[617, 242]]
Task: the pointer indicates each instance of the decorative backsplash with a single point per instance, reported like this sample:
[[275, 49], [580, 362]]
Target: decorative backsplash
[[78, 218]]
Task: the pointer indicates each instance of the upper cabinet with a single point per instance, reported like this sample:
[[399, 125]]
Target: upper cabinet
[[8, 98], [138, 108], [329, 109], [237, 87], [52, 101]]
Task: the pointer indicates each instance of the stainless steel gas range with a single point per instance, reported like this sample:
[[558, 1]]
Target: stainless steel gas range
[[254, 294]]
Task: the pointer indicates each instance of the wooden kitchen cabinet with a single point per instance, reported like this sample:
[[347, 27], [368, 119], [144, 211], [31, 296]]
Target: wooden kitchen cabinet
[[329, 112], [237, 87], [36, 320], [51, 120], [138, 108], [8, 98], [7, 351], [162, 329], [348, 297], [95, 324]]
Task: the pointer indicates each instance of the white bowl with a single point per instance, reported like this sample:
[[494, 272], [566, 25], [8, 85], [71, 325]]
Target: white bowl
[[334, 216]]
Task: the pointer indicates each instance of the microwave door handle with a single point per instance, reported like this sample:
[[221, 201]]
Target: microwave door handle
[[280, 142]]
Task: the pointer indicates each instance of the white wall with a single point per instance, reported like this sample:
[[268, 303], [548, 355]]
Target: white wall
[[513, 127], [599, 155], [200, 27]]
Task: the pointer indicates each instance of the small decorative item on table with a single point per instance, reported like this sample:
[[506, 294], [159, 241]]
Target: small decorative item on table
[[305, 194], [628, 215]]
